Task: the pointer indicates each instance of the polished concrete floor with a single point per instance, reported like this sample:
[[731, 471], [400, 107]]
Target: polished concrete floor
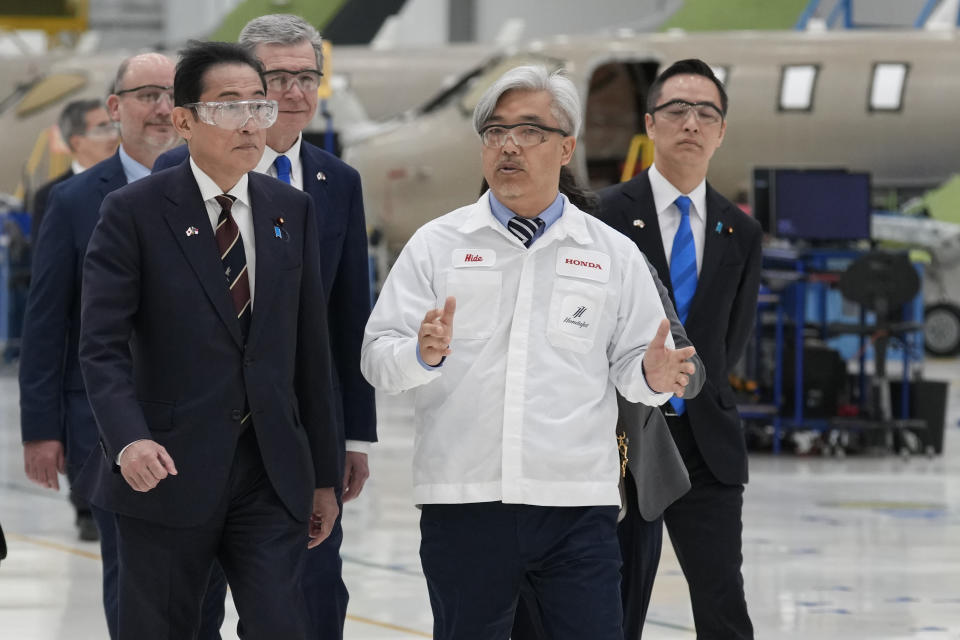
[[859, 547]]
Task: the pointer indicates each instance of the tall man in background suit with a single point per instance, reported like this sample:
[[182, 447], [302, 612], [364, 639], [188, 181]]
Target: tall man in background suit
[[204, 348], [58, 427], [711, 252], [289, 49]]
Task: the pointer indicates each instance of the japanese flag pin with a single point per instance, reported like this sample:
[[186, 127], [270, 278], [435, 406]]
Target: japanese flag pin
[[192, 231], [321, 176], [639, 223]]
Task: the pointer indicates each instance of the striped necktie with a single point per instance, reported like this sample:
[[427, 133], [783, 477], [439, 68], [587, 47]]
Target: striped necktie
[[282, 163], [234, 262], [683, 273], [525, 229]]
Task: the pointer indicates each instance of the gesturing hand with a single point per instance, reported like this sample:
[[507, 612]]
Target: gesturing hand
[[667, 369], [436, 332], [144, 464]]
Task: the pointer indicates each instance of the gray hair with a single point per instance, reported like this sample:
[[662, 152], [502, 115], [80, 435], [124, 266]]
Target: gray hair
[[72, 120], [283, 29], [565, 105]]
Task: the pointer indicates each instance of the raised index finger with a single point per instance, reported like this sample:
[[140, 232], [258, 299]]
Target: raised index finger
[[449, 308]]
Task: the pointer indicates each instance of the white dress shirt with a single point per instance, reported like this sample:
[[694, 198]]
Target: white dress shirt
[[668, 215], [524, 409], [242, 214], [293, 154]]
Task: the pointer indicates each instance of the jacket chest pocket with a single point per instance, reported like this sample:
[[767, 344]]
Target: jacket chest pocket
[[575, 312], [478, 302]]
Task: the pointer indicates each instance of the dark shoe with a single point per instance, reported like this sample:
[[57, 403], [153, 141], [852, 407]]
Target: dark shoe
[[87, 528]]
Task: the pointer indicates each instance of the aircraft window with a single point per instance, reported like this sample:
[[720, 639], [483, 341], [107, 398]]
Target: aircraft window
[[721, 73], [886, 90], [796, 87]]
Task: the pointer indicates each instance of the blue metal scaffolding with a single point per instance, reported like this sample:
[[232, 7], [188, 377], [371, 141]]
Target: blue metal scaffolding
[[843, 10]]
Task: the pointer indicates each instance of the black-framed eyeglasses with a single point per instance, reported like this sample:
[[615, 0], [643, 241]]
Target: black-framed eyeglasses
[[149, 93], [523, 134], [706, 113], [282, 79]]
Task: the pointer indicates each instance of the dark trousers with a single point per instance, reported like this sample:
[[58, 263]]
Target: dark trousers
[[706, 527], [640, 545], [478, 557], [636, 575], [82, 437], [325, 594], [164, 571]]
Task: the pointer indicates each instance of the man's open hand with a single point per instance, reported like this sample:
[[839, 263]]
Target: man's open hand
[[666, 369]]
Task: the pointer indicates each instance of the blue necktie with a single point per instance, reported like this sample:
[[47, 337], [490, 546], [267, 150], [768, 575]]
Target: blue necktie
[[683, 272], [282, 163]]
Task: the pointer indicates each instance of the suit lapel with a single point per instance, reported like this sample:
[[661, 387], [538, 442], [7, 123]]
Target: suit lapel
[[112, 177], [268, 247], [714, 245], [312, 163], [648, 236], [185, 210]]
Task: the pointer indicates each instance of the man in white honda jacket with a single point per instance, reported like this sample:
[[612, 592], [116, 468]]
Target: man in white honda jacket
[[535, 314]]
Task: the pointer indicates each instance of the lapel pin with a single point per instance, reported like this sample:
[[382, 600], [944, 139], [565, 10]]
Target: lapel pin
[[729, 231], [277, 228], [321, 176], [192, 231], [719, 227], [639, 223]]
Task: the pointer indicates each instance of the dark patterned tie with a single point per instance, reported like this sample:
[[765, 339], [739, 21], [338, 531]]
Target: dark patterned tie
[[683, 273], [525, 229], [234, 262]]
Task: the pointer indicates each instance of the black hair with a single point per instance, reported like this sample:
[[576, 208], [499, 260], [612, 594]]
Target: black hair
[[690, 66], [198, 57], [579, 196]]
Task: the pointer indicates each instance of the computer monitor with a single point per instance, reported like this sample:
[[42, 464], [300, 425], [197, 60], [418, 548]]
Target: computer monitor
[[763, 181], [820, 205]]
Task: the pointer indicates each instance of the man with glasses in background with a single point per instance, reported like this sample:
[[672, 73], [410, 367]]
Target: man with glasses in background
[[91, 136], [58, 427], [204, 346], [515, 463], [707, 252], [290, 51]]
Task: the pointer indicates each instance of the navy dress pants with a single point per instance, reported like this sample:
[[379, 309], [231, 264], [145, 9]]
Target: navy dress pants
[[165, 571], [478, 557]]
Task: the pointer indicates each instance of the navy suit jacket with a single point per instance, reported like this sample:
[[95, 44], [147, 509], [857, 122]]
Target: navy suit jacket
[[40, 199], [721, 315], [338, 202], [164, 359], [49, 365]]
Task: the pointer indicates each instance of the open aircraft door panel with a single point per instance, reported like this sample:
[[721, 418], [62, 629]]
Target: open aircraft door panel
[[616, 99]]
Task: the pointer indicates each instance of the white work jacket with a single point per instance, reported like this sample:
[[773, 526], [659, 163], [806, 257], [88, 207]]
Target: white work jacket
[[523, 410]]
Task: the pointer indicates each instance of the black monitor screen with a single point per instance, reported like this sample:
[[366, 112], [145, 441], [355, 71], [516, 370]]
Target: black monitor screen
[[822, 205]]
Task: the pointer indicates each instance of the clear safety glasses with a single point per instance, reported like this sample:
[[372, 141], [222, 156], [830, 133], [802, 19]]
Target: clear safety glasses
[[235, 115], [524, 134]]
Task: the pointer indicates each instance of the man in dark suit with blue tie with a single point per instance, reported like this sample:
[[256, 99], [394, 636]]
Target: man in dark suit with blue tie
[[711, 252], [58, 428], [289, 49], [204, 349]]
